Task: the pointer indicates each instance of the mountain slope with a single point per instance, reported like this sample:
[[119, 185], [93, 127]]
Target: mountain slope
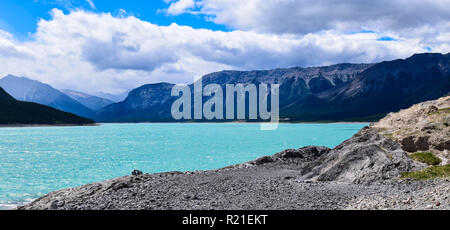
[[24, 89], [26, 113], [147, 103], [153, 102], [93, 103], [383, 88], [113, 97], [344, 92]]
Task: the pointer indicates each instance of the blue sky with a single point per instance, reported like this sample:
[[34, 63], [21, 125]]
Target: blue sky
[[21, 17], [93, 46]]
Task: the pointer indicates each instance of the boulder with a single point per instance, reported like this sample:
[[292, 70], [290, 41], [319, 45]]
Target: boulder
[[365, 158], [136, 173]]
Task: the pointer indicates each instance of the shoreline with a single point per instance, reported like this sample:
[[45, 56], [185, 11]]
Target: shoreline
[[45, 125], [239, 122], [310, 178], [137, 123]]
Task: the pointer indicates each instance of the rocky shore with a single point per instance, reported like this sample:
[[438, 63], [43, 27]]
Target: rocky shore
[[364, 172]]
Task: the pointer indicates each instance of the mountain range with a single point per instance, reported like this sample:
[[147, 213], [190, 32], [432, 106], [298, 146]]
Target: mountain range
[[25, 113], [152, 102], [25, 89], [385, 87], [343, 92]]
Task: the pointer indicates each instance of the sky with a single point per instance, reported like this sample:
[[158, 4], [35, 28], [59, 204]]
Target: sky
[[113, 46]]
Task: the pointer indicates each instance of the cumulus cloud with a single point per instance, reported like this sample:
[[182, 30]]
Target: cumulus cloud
[[305, 16], [117, 54], [95, 52], [9, 49], [180, 6]]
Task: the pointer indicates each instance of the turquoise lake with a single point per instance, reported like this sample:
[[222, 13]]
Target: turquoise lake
[[38, 160]]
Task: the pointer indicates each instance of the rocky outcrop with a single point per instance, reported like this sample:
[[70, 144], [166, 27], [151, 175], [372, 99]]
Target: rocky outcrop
[[423, 127], [299, 156], [365, 158]]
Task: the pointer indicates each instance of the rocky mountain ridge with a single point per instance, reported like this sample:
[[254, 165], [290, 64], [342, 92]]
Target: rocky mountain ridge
[[344, 92], [295, 83]]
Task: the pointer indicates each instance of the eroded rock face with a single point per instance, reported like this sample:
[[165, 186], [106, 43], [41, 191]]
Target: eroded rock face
[[416, 143], [423, 127], [442, 145], [365, 158]]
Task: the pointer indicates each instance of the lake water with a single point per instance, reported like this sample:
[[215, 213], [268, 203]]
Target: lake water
[[35, 161]]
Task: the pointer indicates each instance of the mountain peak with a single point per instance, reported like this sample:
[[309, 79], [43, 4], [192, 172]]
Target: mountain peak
[[427, 55], [13, 77], [25, 89]]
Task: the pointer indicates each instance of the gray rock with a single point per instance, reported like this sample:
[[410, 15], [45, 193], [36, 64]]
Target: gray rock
[[136, 173], [365, 158]]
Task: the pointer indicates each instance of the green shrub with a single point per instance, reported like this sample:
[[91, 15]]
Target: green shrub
[[429, 173], [426, 157]]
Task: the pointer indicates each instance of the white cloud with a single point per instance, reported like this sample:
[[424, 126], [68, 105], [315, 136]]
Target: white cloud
[[180, 6], [306, 16], [99, 52], [9, 49]]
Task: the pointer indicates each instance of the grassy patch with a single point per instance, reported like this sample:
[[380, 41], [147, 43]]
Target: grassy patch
[[426, 157], [382, 130], [440, 111], [429, 173], [388, 135]]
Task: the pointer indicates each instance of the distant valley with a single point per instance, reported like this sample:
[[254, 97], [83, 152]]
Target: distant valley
[[93, 103]]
